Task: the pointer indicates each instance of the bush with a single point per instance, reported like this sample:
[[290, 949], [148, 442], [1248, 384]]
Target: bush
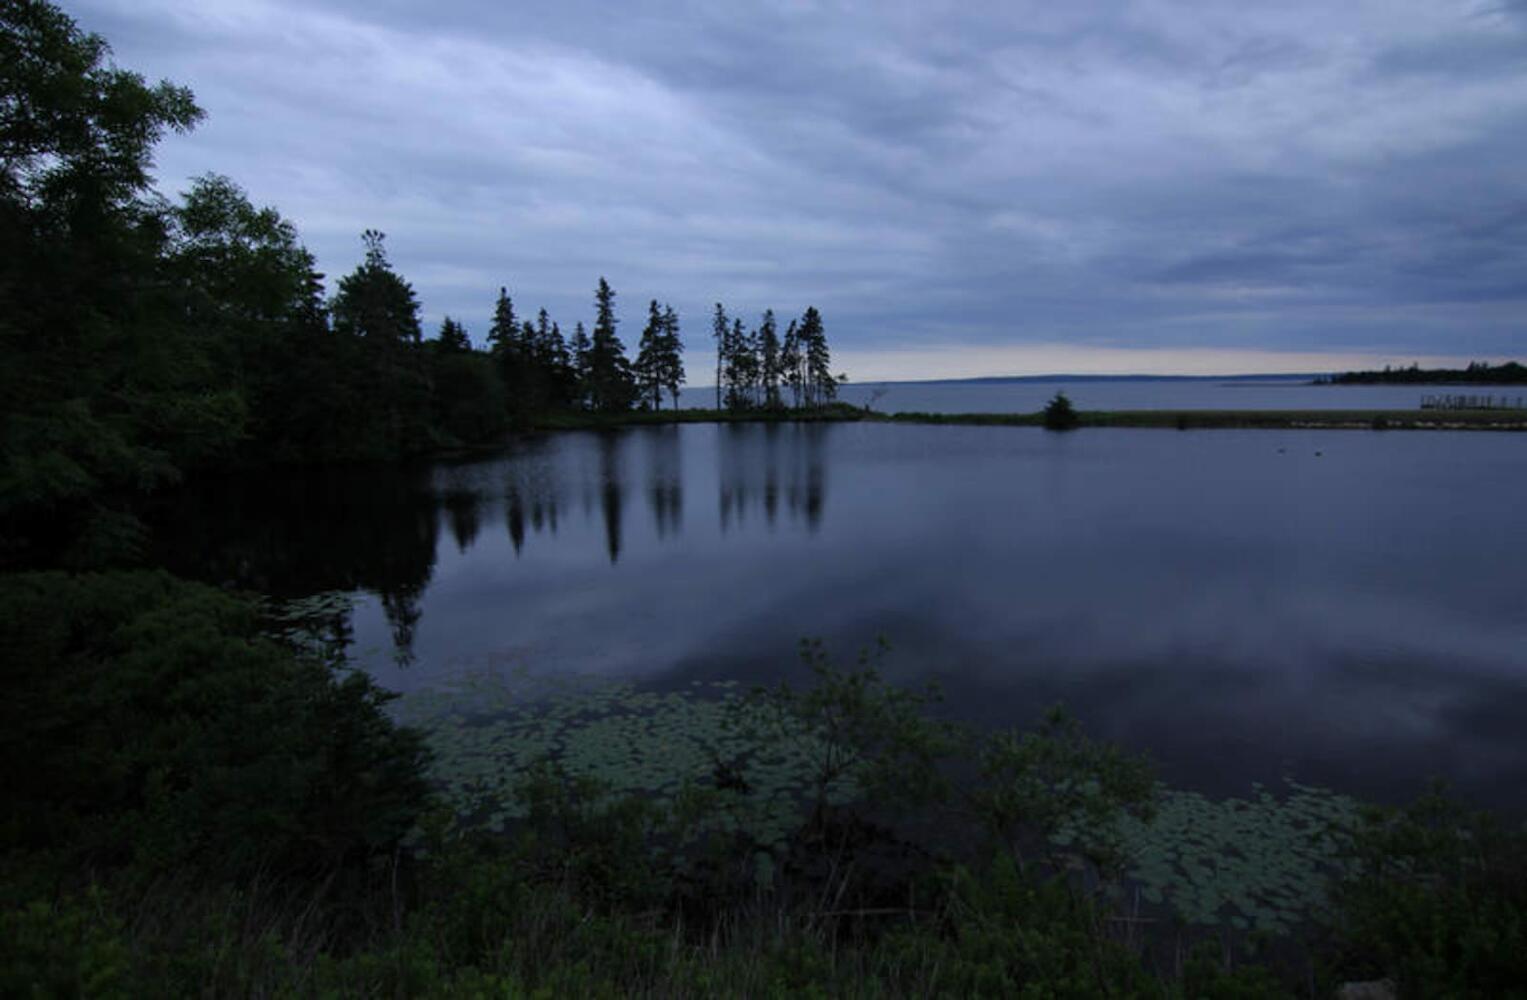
[[1060, 415], [149, 721], [1438, 903]]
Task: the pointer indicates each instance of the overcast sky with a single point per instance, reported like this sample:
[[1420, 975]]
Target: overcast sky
[[961, 188]]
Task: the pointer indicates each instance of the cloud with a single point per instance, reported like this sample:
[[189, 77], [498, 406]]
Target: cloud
[[1147, 176]]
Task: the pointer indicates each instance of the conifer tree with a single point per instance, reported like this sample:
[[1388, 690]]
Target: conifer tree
[[741, 368], [452, 338], [821, 387], [721, 330], [611, 383], [558, 345], [509, 347], [582, 349], [791, 361], [542, 349], [732, 373], [378, 308], [374, 302], [564, 376], [648, 367], [501, 333], [769, 360], [671, 355]]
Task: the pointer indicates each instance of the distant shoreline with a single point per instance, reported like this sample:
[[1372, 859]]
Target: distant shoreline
[[1492, 420], [1400, 420], [1478, 373]]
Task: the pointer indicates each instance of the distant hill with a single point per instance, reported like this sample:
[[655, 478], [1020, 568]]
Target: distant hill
[[1478, 373]]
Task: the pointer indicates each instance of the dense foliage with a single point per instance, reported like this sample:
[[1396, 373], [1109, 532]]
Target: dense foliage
[[145, 338], [148, 721]]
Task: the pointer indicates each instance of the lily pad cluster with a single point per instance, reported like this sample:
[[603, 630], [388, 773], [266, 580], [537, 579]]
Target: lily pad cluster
[[488, 731], [1263, 863]]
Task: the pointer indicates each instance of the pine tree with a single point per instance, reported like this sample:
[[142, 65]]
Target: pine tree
[[821, 387], [732, 373], [452, 338], [379, 309], [544, 351], [769, 360], [509, 347], [582, 373], [791, 361], [649, 358], [752, 369], [374, 302], [501, 334], [564, 376], [741, 368], [721, 330], [672, 355], [613, 387]]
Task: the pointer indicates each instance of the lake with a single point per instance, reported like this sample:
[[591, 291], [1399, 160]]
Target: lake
[[1345, 608]]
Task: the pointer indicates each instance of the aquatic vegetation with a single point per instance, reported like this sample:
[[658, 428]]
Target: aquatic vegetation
[[1261, 864], [489, 731], [1264, 863]]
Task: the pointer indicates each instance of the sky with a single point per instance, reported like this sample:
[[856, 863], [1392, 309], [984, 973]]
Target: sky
[[961, 188]]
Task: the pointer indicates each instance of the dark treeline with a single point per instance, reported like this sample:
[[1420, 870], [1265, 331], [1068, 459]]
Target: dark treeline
[[1477, 373], [145, 337], [756, 367]]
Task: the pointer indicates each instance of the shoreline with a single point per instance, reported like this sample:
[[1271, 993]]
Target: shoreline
[[1422, 420]]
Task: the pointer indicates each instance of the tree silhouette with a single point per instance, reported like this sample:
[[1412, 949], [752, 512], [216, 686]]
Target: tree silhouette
[[721, 331], [770, 367], [611, 385], [1060, 415], [648, 367], [671, 355], [452, 337], [582, 350], [820, 386], [792, 363], [376, 306]]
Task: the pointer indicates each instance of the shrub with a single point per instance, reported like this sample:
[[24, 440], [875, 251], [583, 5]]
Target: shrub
[[148, 720], [1055, 786], [1060, 415], [1438, 903]]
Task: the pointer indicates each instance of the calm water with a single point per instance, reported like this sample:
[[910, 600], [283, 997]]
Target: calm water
[[1348, 608], [1267, 393]]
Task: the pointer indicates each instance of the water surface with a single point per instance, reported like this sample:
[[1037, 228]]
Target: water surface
[[1346, 608]]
